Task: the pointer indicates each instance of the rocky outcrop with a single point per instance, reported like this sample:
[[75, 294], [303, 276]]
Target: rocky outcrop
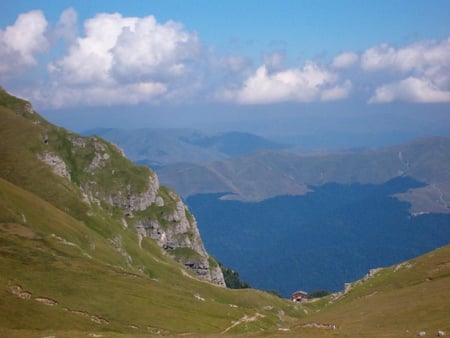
[[57, 164], [350, 286], [177, 230], [106, 177]]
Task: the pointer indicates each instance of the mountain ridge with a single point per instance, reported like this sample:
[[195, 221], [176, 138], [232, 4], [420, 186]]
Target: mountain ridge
[[269, 174], [158, 147]]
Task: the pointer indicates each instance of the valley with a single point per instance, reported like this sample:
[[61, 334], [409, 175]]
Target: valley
[[94, 246], [322, 240], [288, 220]]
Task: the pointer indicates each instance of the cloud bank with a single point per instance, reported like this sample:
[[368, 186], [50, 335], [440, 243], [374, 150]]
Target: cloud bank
[[131, 60]]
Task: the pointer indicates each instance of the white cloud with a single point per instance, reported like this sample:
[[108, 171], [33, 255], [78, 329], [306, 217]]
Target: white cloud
[[118, 54], [410, 90], [422, 70], [66, 27], [416, 57], [20, 43], [274, 61], [338, 92], [127, 60], [310, 83], [236, 63], [345, 60]]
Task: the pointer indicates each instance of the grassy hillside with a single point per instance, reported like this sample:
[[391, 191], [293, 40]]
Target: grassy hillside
[[398, 301], [57, 275]]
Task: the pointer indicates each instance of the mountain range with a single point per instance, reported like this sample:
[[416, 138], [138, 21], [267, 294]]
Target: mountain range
[[267, 174], [93, 246], [160, 147]]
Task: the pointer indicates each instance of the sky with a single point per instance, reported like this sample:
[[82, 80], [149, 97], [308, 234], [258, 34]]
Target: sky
[[263, 66]]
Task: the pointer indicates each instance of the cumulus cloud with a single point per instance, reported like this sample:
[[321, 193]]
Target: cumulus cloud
[[274, 61], [306, 84], [415, 57], [423, 69], [337, 92], [345, 60], [128, 60], [410, 90], [66, 27], [118, 54], [21, 42]]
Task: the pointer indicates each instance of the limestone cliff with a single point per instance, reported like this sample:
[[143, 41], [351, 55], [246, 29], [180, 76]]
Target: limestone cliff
[[149, 209]]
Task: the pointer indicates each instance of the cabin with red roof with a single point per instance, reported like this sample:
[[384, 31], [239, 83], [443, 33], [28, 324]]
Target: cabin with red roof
[[299, 296]]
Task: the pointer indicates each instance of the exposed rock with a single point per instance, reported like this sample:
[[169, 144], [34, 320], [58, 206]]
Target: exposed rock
[[119, 150], [349, 286], [181, 233], [99, 161], [58, 166], [118, 246], [28, 108], [132, 201], [19, 292], [320, 326], [198, 297], [99, 320], [170, 224], [159, 201], [46, 301], [144, 200], [78, 141], [404, 265]]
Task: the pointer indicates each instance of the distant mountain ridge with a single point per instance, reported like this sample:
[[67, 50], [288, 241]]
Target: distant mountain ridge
[[158, 147], [268, 174]]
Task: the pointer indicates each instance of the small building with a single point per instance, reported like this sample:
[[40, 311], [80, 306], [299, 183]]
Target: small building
[[299, 296]]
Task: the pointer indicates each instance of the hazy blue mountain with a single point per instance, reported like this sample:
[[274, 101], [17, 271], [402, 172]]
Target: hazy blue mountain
[[263, 175], [233, 143], [159, 147], [320, 240]]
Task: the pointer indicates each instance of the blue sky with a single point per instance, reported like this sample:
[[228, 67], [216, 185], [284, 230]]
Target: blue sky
[[229, 62]]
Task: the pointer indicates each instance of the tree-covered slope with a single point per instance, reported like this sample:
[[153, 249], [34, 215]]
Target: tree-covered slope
[[320, 240]]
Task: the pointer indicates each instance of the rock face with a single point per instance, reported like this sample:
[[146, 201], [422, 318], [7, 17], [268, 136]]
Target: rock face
[[177, 231], [57, 164], [108, 180]]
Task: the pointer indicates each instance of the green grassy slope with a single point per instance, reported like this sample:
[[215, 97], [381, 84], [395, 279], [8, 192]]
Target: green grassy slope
[[398, 301], [51, 255]]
